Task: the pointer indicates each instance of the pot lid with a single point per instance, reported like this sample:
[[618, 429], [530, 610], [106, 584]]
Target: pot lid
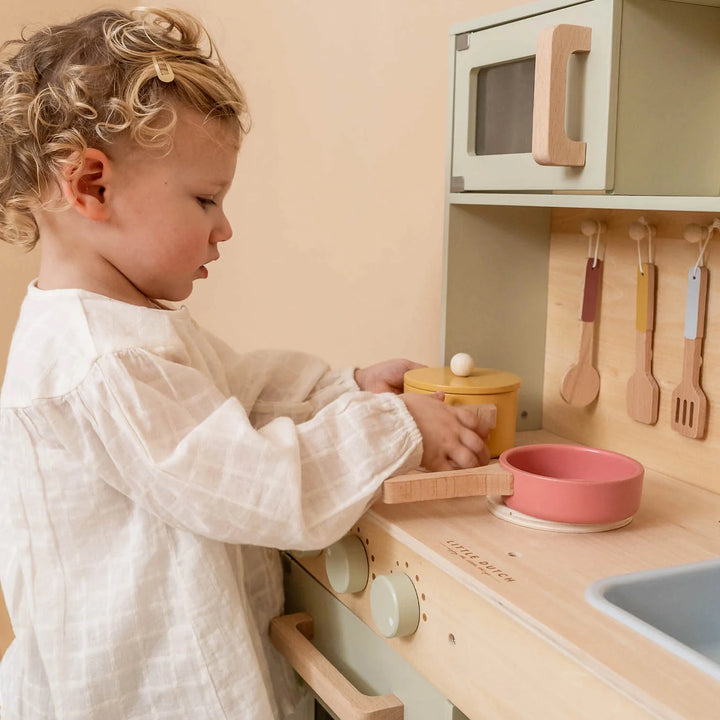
[[481, 381]]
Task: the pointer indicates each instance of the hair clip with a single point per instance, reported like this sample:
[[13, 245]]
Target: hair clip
[[164, 71]]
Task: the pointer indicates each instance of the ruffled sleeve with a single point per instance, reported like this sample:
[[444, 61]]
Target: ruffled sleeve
[[274, 383], [165, 436]]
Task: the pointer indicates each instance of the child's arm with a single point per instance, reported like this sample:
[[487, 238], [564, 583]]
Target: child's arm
[[274, 383], [387, 376], [297, 385], [166, 437]]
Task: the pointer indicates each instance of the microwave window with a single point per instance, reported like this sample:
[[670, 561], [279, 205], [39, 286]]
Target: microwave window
[[504, 108]]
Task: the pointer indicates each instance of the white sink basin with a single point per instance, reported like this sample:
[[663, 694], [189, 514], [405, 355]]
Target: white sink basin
[[677, 607]]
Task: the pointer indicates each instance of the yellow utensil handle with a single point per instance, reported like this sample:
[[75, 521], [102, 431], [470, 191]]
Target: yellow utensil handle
[[645, 318]]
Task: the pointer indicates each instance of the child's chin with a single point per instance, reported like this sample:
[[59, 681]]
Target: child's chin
[[175, 295]]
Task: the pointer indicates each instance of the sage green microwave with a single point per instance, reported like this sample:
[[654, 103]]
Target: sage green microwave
[[602, 96]]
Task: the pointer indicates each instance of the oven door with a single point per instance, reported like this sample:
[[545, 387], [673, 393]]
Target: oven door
[[535, 102], [353, 673]]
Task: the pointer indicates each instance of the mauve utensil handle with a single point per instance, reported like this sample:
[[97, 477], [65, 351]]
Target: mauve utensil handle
[[591, 289]]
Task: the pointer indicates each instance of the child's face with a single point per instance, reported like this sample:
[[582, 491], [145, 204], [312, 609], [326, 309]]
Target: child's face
[[167, 211]]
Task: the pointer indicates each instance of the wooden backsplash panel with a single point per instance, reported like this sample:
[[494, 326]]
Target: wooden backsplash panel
[[606, 423]]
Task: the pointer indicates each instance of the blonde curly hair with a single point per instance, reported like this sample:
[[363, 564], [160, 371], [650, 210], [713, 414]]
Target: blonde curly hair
[[69, 87]]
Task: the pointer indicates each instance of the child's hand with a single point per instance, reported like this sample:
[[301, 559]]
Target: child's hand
[[385, 376], [453, 436]]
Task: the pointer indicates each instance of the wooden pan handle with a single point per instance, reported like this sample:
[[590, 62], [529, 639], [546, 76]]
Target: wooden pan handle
[[488, 480], [290, 634]]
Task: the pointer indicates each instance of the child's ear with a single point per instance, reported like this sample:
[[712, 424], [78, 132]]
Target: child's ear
[[85, 186]]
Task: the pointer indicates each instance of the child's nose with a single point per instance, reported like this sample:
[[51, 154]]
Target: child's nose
[[223, 230]]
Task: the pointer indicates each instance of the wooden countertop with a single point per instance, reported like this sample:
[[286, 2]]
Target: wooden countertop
[[540, 578]]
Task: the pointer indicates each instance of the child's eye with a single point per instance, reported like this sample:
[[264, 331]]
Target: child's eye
[[206, 202]]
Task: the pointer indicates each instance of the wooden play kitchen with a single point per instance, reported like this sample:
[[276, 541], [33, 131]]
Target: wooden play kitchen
[[626, 360], [497, 602], [647, 325], [591, 281]]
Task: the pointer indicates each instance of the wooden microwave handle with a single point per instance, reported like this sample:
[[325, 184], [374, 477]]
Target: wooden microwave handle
[[291, 634], [550, 143]]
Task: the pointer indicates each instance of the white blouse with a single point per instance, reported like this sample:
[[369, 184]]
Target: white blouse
[[145, 470]]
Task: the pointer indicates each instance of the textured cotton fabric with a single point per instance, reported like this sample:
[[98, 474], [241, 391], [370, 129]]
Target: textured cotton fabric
[[145, 471]]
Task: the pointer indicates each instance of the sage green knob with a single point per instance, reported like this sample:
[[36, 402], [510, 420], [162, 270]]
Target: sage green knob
[[346, 565], [394, 605]]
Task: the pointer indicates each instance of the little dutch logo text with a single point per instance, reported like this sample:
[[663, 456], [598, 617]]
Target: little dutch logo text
[[485, 567]]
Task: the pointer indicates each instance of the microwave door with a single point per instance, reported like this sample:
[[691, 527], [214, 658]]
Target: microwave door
[[532, 103]]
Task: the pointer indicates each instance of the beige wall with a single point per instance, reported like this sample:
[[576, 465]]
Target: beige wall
[[338, 202]]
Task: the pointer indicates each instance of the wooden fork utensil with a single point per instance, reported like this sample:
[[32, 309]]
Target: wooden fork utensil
[[689, 404]]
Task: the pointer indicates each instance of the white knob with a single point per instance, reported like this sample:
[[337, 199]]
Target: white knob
[[346, 565], [462, 364], [394, 605]]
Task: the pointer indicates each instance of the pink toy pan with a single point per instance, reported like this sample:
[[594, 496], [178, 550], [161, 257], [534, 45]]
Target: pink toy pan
[[554, 482]]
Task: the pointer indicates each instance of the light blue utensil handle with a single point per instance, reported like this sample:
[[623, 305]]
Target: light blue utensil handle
[[695, 303]]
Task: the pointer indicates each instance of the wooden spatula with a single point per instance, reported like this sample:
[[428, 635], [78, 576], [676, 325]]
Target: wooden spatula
[[688, 405], [581, 383], [643, 392]]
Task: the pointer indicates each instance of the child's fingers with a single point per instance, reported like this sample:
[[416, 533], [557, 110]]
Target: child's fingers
[[473, 442], [472, 450], [469, 418], [463, 457]]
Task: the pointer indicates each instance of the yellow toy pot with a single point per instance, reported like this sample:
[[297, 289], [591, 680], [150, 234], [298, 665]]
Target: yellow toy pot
[[483, 386]]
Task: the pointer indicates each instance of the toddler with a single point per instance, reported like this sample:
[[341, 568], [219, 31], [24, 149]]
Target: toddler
[[149, 473]]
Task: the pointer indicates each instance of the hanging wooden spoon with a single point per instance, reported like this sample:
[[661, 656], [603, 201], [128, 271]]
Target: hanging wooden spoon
[[643, 391], [581, 383]]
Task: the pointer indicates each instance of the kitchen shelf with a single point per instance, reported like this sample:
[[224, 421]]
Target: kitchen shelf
[[605, 202]]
